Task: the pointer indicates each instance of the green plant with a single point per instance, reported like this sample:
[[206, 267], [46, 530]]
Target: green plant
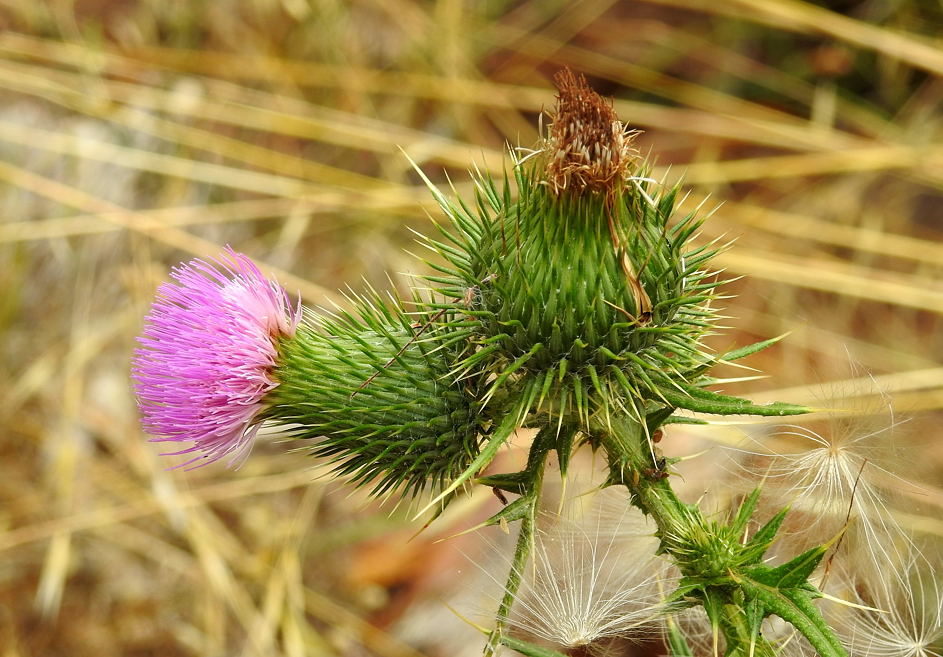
[[566, 298]]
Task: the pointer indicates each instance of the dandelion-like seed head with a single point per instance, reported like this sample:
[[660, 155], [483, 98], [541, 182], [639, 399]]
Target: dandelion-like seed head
[[832, 478], [207, 350], [902, 616], [590, 582]]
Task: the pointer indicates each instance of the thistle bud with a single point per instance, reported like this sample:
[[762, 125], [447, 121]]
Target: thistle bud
[[588, 149], [595, 303]]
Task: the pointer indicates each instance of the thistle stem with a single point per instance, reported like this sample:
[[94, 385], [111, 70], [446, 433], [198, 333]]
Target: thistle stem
[[525, 539], [631, 465], [525, 542]]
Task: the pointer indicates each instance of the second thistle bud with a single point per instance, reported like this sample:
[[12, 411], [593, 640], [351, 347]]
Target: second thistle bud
[[595, 303]]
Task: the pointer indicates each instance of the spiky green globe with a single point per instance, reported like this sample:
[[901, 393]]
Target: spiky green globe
[[588, 305], [377, 400]]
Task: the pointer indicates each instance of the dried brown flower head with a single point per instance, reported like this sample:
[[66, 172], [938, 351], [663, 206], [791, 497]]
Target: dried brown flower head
[[588, 147]]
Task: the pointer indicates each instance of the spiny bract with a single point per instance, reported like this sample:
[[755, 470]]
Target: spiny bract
[[377, 399]]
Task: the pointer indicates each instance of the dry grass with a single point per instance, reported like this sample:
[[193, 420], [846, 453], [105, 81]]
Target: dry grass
[[137, 134]]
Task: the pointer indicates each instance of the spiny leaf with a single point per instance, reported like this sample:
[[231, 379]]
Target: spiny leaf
[[699, 400], [793, 573], [512, 482], [794, 606], [744, 513], [513, 367], [749, 350], [564, 448], [754, 550], [753, 613], [512, 511], [657, 418], [681, 419]]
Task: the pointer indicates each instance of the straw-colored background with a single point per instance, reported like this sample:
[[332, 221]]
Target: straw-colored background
[[135, 134]]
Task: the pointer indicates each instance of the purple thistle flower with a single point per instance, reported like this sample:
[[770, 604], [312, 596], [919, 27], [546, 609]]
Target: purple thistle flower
[[208, 348]]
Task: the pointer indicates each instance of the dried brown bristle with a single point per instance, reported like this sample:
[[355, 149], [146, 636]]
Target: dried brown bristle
[[588, 147]]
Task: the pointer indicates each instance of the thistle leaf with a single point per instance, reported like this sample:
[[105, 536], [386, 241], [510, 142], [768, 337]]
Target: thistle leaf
[[657, 418], [749, 350], [511, 512], [754, 550], [512, 482], [693, 398], [794, 573], [681, 419], [744, 513], [563, 445], [794, 606]]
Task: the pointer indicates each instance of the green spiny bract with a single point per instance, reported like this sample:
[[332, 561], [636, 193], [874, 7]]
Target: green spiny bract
[[377, 399], [584, 304]]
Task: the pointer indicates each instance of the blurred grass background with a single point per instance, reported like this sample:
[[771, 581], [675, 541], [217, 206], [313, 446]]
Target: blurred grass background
[[138, 133]]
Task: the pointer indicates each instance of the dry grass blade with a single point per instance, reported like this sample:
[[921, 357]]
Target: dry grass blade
[[793, 14], [924, 161], [861, 239], [128, 219], [66, 90], [160, 163], [837, 278], [204, 495]]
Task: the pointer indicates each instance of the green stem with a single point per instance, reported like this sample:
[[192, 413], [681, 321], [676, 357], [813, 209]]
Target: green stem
[[631, 464], [525, 539], [525, 542]]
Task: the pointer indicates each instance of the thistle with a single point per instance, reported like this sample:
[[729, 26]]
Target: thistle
[[567, 298], [207, 354], [589, 307]]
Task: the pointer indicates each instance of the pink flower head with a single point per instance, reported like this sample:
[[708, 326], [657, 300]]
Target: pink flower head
[[208, 348]]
